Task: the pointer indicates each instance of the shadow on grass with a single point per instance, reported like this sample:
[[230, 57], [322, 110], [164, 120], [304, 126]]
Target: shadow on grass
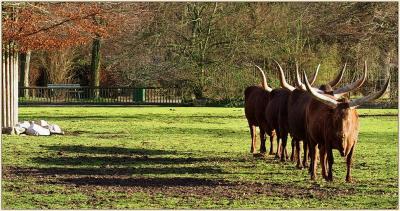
[[162, 130], [121, 160], [116, 156], [170, 186], [111, 150], [145, 182], [66, 172]]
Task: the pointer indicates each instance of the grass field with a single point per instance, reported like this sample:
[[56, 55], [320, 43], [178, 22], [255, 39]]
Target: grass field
[[161, 157]]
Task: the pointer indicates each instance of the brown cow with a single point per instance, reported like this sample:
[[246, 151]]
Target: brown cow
[[297, 103], [256, 100], [333, 124], [277, 112], [277, 119]]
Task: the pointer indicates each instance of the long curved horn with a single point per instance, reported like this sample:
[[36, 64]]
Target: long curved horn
[[282, 79], [264, 82], [349, 87], [338, 78], [299, 84], [315, 75], [320, 97], [370, 97]]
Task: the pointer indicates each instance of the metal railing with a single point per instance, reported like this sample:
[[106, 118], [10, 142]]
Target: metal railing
[[100, 95], [86, 95]]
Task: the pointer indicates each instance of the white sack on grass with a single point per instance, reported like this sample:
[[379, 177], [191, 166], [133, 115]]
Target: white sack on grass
[[37, 130], [42, 123], [55, 129], [24, 124], [19, 130]]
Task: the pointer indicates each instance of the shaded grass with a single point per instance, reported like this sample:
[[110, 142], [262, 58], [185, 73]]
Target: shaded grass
[[151, 157]]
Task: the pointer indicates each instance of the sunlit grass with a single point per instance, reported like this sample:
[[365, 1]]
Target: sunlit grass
[[161, 157]]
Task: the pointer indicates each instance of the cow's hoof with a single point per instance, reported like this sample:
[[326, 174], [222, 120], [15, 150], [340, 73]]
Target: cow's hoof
[[349, 180], [258, 155], [271, 153], [299, 166]]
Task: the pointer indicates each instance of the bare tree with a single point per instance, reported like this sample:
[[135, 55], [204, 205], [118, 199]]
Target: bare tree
[[58, 65]]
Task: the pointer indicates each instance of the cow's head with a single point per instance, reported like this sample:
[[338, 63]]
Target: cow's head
[[344, 127]]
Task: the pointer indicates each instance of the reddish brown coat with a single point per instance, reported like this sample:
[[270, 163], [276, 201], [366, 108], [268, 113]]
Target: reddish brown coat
[[256, 100], [276, 112], [330, 129], [298, 101], [297, 104]]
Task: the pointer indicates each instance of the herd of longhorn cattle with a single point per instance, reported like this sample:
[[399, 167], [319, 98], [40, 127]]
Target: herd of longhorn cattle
[[320, 117]]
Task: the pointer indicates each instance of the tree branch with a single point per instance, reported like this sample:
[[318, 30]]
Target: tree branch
[[58, 24]]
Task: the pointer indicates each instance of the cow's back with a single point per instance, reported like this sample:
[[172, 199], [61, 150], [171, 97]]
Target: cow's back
[[276, 110], [317, 115], [256, 100], [296, 108]]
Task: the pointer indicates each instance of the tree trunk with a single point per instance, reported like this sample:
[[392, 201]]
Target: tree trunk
[[21, 57], [27, 71], [25, 59], [388, 69], [95, 65], [9, 89]]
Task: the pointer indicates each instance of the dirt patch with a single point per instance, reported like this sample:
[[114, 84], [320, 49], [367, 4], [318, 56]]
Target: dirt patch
[[203, 188], [74, 133], [181, 187], [102, 135], [110, 136]]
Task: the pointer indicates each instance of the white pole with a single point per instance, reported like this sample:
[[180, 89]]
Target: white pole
[[9, 86]]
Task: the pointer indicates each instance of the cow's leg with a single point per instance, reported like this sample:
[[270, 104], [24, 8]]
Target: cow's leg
[[306, 154], [322, 158], [262, 138], [349, 160], [297, 141], [284, 154], [313, 164], [330, 164], [253, 138], [278, 149], [292, 156], [271, 140]]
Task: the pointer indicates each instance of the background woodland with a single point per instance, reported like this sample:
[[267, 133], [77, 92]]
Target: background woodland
[[208, 48]]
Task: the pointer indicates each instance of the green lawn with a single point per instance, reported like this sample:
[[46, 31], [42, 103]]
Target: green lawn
[[161, 157]]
